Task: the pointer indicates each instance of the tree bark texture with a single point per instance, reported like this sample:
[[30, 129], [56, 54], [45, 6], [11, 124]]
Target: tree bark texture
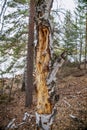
[[85, 62], [80, 53], [45, 72], [30, 53]]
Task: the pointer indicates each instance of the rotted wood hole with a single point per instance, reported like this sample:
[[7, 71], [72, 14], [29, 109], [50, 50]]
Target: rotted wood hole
[[42, 70]]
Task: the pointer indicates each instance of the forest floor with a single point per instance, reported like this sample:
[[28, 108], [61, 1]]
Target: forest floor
[[71, 107]]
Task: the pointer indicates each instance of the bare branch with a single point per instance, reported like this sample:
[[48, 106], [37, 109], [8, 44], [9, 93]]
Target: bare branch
[[3, 7]]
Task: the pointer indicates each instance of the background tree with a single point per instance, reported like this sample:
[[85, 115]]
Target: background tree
[[30, 56], [86, 43], [69, 34], [14, 34], [80, 14], [13, 38]]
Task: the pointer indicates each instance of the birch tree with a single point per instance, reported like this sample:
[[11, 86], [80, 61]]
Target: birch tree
[[45, 71]]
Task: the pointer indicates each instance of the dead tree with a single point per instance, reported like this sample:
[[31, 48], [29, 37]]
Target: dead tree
[[45, 71]]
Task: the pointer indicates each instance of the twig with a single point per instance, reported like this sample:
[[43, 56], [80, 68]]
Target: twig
[[12, 124], [26, 116], [67, 103], [3, 7], [81, 90], [76, 119]]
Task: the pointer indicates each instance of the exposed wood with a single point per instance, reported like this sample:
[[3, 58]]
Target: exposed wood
[[45, 72], [42, 70], [43, 56]]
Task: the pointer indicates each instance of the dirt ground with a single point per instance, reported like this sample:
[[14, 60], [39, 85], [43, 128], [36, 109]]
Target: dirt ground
[[71, 107]]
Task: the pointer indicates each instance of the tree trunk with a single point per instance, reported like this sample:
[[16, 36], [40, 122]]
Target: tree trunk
[[23, 81], [45, 72], [30, 52], [76, 60], [85, 45], [80, 55]]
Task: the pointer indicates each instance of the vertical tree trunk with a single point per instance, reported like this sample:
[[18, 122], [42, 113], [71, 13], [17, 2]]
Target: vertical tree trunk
[[76, 60], [24, 80], [43, 56], [29, 73], [80, 53], [85, 44], [45, 72]]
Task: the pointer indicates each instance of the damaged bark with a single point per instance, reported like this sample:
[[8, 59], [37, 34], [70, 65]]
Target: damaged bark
[[45, 72]]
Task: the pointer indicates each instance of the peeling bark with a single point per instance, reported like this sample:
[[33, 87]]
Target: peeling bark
[[45, 72]]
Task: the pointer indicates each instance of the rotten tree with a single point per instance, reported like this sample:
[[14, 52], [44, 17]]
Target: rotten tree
[[45, 70]]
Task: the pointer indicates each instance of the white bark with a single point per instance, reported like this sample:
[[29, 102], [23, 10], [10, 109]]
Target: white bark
[[11, 124], [56, 66]]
